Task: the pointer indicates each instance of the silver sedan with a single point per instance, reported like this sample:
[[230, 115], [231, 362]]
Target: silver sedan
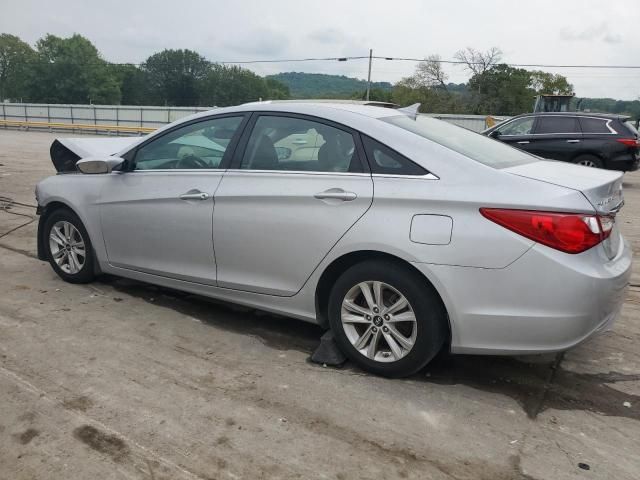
[[402, 234]]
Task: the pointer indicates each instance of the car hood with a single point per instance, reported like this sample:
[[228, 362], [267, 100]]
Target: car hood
[[65, 152], [603, 188]]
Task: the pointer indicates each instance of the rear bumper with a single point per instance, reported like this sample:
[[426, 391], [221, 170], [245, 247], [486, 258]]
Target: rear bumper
[[624, 164], [546, 301]]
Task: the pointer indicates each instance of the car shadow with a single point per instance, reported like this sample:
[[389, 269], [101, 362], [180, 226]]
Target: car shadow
[[536, 383]]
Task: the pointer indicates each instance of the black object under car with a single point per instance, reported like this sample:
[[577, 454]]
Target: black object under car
[[591, 139]]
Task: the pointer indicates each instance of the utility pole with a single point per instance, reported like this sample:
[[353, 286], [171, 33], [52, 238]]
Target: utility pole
[[369, 77]]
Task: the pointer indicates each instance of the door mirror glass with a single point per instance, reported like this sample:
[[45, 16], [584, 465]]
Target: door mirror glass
[[98, 165]]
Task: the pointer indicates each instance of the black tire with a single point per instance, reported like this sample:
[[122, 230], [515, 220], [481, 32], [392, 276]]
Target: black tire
[[589, 161], [431, 318], [85, 274]]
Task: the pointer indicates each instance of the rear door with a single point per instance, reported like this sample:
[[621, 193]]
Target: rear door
[[297, 185], [557, 137]]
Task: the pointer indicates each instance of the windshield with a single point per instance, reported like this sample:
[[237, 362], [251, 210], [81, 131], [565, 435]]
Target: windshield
[[473, 145]]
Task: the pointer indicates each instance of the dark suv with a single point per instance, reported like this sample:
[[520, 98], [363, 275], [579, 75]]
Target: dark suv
[[590, 139]]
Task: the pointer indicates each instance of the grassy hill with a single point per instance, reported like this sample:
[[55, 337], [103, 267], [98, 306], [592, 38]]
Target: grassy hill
[[319, 85]]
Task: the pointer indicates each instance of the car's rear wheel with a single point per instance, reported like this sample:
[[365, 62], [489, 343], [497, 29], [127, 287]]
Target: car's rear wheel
[[386, 318], [68, 247], [588, 161]]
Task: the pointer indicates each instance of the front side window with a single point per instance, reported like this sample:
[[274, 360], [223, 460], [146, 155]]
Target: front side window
[[557, 125], [521, 126], [594, 125], [199, 145], [296, 144]]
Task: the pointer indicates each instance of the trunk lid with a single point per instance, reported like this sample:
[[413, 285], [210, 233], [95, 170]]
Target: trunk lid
[[603, 188], [65, 152]]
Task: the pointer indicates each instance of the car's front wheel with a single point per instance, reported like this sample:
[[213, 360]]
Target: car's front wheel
[[69, 247], [386, 318]]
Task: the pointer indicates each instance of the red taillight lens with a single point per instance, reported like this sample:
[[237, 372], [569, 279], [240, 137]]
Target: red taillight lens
[[629, 142], [567, 232]]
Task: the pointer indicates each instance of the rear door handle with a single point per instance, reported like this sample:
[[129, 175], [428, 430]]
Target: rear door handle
[[194, 195], [336, 194], [573, 141], [523, 142]]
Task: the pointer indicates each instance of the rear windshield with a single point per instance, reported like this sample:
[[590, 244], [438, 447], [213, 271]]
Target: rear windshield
[[631, 127], [473, 145]]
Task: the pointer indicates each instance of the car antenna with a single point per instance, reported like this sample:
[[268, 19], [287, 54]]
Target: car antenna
[[411, 110]]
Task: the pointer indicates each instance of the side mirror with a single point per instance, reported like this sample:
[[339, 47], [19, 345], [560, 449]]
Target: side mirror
[[495, 134], [95, 165]]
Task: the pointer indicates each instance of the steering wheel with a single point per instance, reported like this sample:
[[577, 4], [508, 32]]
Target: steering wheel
[[191, 161]]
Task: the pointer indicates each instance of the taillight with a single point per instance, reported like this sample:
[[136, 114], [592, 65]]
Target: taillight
[[629, 142], [567, 232]]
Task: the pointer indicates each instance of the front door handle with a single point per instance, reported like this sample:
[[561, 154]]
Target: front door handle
[[194, 195], [523, 142], [336, 194], [573, 141]]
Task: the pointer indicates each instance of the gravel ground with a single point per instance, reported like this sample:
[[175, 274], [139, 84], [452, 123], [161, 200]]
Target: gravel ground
[[120, 379]]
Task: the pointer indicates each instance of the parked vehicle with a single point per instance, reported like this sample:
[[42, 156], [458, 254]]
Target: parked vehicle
[[590, 139], [402, 233]]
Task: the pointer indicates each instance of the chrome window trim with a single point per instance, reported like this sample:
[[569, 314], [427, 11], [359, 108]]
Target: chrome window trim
[[428, 176], [297, 172], [178, 170]]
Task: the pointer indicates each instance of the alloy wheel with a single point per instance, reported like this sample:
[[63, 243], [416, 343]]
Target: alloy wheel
[[67, 247], [587, 163], [378, 321]]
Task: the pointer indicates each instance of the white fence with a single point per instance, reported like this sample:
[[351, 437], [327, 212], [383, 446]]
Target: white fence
[[135, 118]]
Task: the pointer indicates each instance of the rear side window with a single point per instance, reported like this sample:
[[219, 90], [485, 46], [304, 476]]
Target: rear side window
[[389, 162], [557, 125], [470, 144], [631, 127], [595, 125]]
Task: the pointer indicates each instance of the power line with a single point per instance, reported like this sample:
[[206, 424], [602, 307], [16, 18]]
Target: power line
[[362, 57], [533, 65]]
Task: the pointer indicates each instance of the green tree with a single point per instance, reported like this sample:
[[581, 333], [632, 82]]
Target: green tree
[[15, 58], [70, 70], [277, 90], [175, 77], [133, 84], [550, 84], [232, 85], [505, 90]]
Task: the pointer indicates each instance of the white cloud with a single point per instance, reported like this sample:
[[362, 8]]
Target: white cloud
[[124, 30]]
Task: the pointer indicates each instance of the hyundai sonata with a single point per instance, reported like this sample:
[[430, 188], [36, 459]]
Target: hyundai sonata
[[402, 234]]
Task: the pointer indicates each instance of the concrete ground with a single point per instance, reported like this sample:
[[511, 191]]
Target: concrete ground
[[120, 379]]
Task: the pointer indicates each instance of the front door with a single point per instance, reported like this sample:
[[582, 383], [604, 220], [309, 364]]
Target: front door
[[157, 217], [517, 133], [297, 186]]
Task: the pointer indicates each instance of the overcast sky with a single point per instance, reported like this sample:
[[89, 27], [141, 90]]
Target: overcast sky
[[542, 31]]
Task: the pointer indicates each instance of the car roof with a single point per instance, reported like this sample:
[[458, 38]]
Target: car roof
[[575, 114], [373, 103], [336, 111]]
